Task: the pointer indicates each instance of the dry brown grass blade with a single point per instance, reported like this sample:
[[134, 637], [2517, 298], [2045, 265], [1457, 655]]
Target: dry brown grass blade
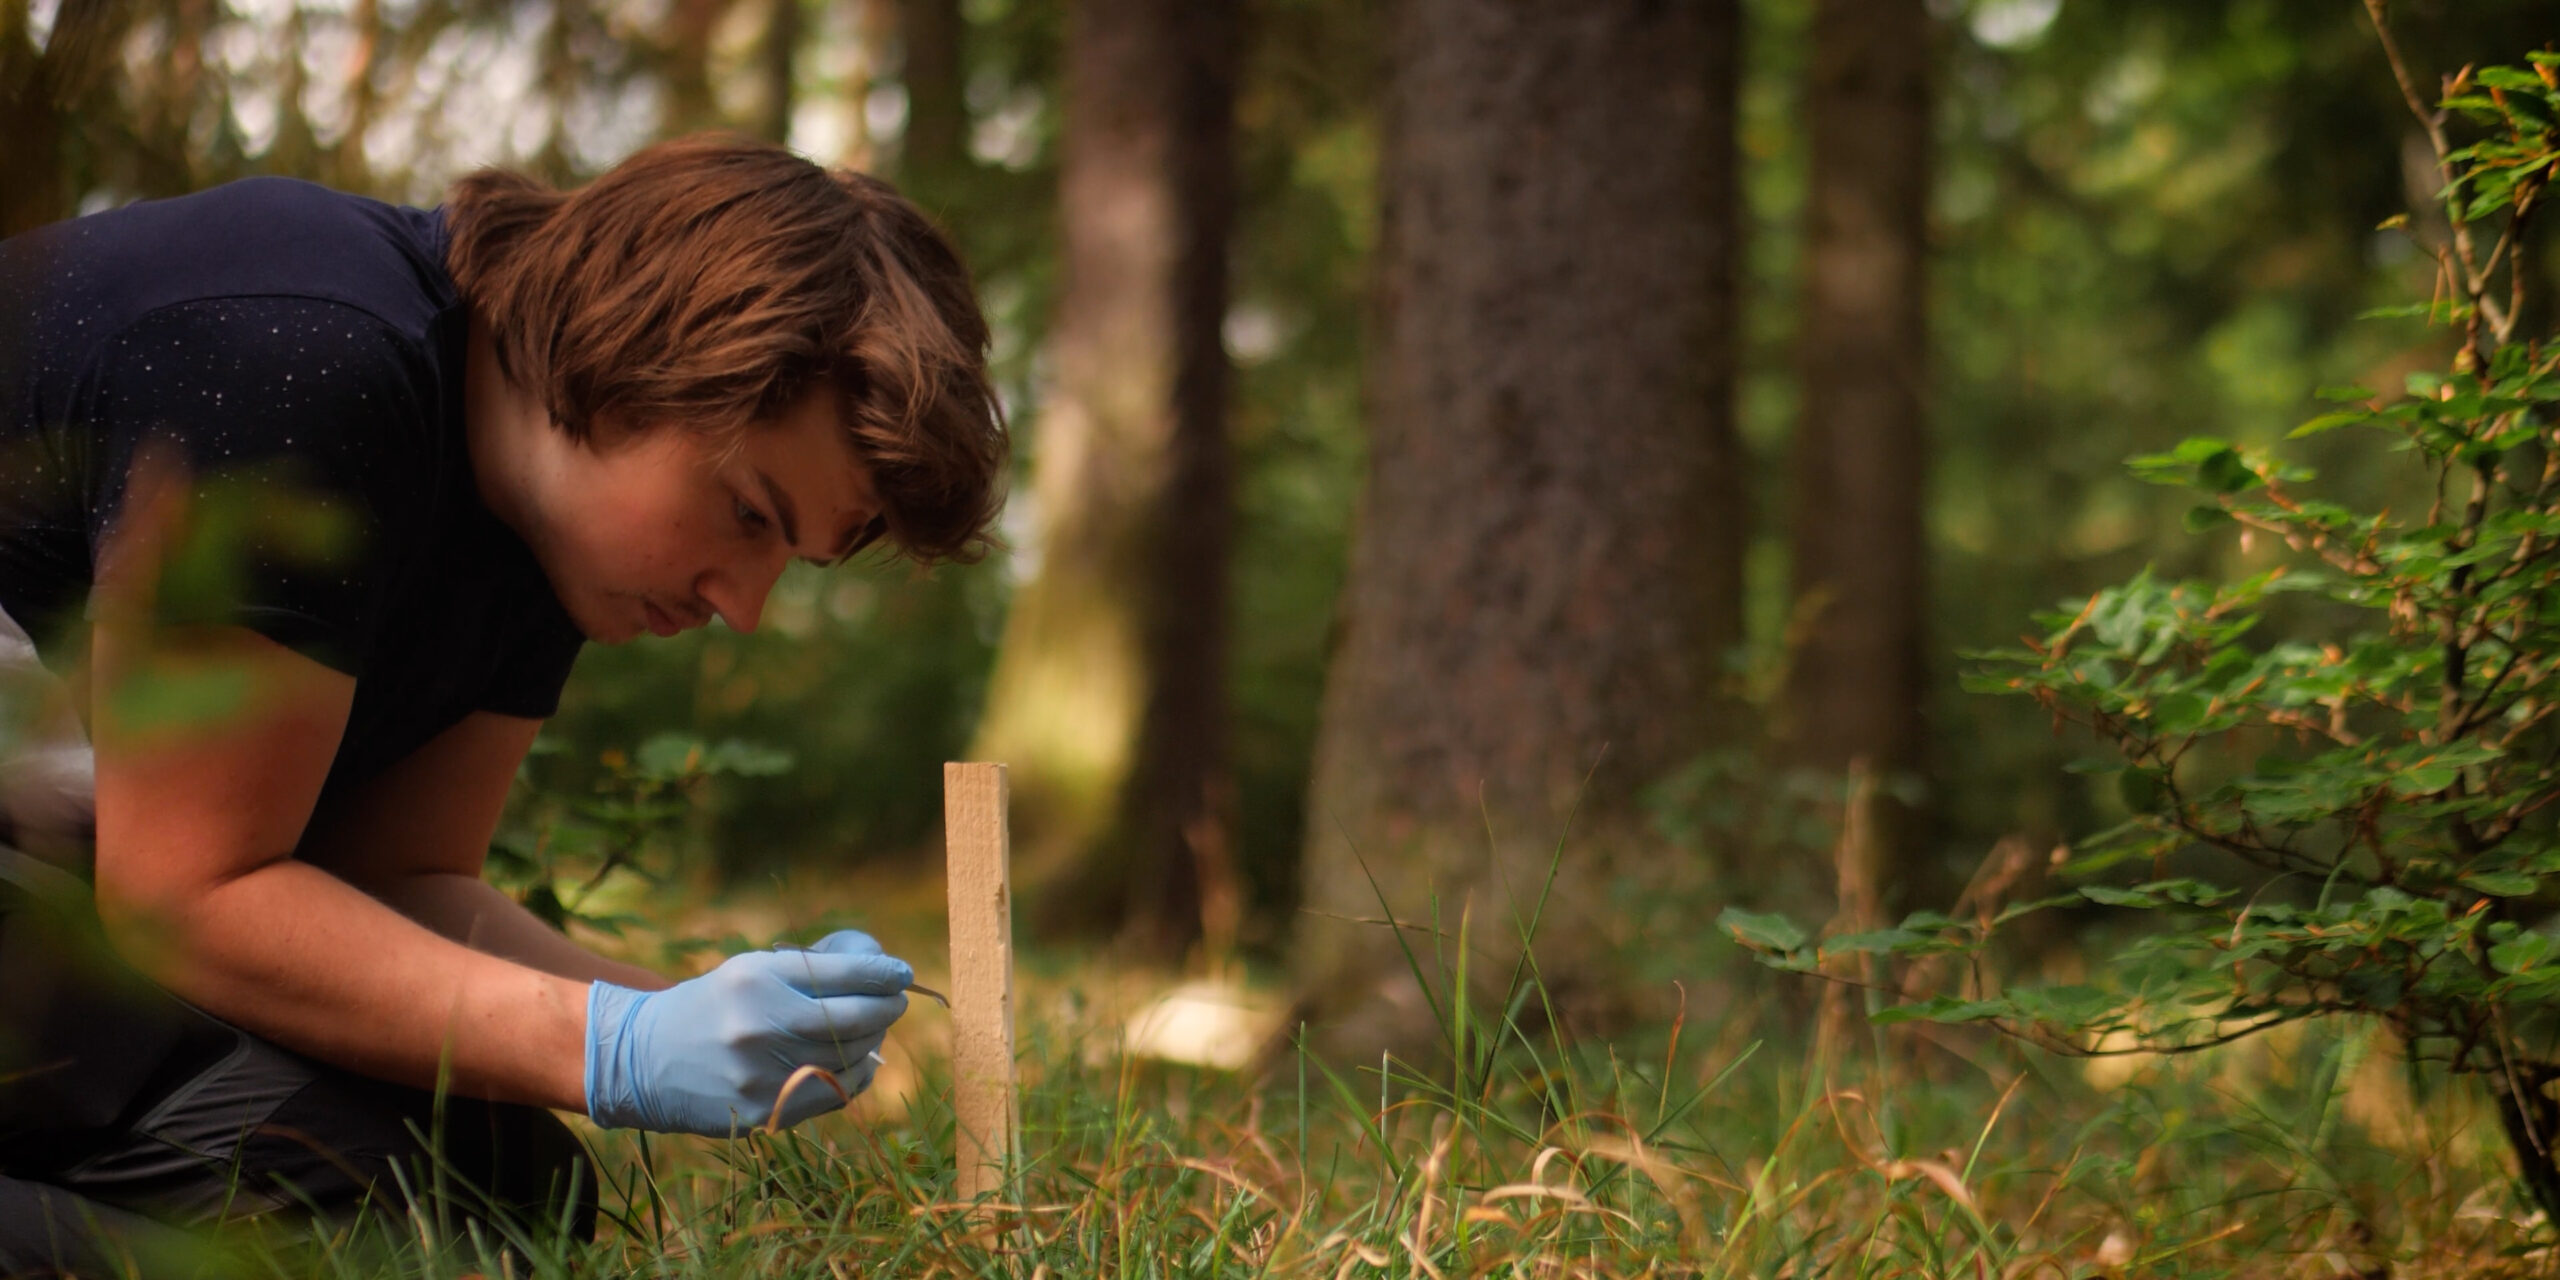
[[1535, 1190], [1670, 1179], [773, 1123], [1231, 1178], [1944, 1177]]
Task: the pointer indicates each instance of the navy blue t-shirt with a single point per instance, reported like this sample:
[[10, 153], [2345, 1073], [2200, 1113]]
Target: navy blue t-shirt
[[300, 352]]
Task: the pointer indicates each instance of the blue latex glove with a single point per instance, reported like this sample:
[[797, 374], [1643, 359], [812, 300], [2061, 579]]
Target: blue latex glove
[[711, 1055]]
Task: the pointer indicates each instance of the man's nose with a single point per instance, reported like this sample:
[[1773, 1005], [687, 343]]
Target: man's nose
[[737, 591]]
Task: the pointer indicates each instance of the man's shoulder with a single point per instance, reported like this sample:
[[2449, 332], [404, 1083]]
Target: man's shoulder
[[253, 238]]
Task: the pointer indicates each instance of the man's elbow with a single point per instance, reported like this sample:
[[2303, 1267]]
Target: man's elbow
[[159, 924]]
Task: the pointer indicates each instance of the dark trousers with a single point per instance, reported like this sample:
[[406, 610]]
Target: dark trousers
[[126, 1113]]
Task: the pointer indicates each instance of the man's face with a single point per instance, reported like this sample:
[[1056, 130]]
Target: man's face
[[656, 532]]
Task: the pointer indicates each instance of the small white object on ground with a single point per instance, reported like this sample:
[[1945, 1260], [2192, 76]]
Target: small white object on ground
[[1205, 1024]]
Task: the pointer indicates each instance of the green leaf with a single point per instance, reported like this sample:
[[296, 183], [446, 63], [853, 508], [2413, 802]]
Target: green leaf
[[1941, 1009], [1884, 941], [747, 759], [2510, 78], [2226, 472], [668, 755], [1762, 930], [2502, 884], [2112, 897], [2328, 422], [2179, 712], [2519, 953]]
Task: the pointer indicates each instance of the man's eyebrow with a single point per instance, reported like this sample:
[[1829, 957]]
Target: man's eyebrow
[[853, 539]]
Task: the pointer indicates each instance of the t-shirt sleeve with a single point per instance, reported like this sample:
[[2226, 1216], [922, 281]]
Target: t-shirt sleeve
[[303, 432]]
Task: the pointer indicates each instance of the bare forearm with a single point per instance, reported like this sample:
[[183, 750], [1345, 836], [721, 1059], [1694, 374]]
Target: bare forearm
[[294, 954], [478, 915]]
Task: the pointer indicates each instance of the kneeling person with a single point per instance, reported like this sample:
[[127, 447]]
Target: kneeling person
[[427, 455]]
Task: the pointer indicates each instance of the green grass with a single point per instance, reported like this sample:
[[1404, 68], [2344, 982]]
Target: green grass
[[1683, 1150]]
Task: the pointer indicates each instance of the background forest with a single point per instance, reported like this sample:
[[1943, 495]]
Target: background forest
[[1473, 458], [1806, 363]]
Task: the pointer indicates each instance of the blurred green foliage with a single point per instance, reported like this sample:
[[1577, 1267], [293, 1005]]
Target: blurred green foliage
[[557, 849]]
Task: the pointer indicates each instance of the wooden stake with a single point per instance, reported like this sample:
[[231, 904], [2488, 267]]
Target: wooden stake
[[979, 846]]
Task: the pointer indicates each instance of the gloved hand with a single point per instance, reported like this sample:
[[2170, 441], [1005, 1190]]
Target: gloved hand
[[711, 1055]]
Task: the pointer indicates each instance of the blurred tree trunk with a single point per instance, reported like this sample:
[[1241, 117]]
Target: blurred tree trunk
[[931, 35], [31, 181], [43, 91], [685, 59], [572, 27], [933, 155], [875, 25], [779, 56], [346, 166], [1858, 679], [1108, 699], [1548, 559]]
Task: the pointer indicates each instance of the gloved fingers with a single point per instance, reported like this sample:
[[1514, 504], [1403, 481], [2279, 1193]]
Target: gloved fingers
[[826, 973], [847, 942], [839, 1020], [836, 1050]]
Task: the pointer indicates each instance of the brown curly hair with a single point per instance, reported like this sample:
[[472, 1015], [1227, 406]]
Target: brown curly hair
[[710, 280]]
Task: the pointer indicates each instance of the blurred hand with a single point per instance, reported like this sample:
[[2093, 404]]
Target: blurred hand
[[711, 1055]]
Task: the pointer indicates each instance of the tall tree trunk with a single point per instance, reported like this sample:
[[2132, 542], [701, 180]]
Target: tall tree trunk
[[346, 165], [778, 57], [168, 159], [44, 91], [934, 165], [32, 190], [1858, 678], [1547, 566], [1108, 697], [690, 102]]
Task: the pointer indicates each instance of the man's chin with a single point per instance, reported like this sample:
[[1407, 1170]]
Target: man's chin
[[612, 629]]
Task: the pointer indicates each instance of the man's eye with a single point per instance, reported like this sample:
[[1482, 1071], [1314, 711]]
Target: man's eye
[[749, 518]]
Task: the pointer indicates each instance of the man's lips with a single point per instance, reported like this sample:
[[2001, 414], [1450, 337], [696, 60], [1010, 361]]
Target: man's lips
[[661, 623]]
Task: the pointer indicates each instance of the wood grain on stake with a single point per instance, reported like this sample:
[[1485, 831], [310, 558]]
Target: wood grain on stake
[[973, 815]]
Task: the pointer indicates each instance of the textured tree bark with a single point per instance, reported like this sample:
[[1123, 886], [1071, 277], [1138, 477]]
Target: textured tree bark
[[1108, 699], [1548, 563], [1858, 679]]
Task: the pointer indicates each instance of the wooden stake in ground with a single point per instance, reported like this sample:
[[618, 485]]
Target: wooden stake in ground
[[978, 846]]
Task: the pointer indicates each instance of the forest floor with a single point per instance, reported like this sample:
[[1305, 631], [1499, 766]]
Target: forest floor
[[1670, 1151]]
